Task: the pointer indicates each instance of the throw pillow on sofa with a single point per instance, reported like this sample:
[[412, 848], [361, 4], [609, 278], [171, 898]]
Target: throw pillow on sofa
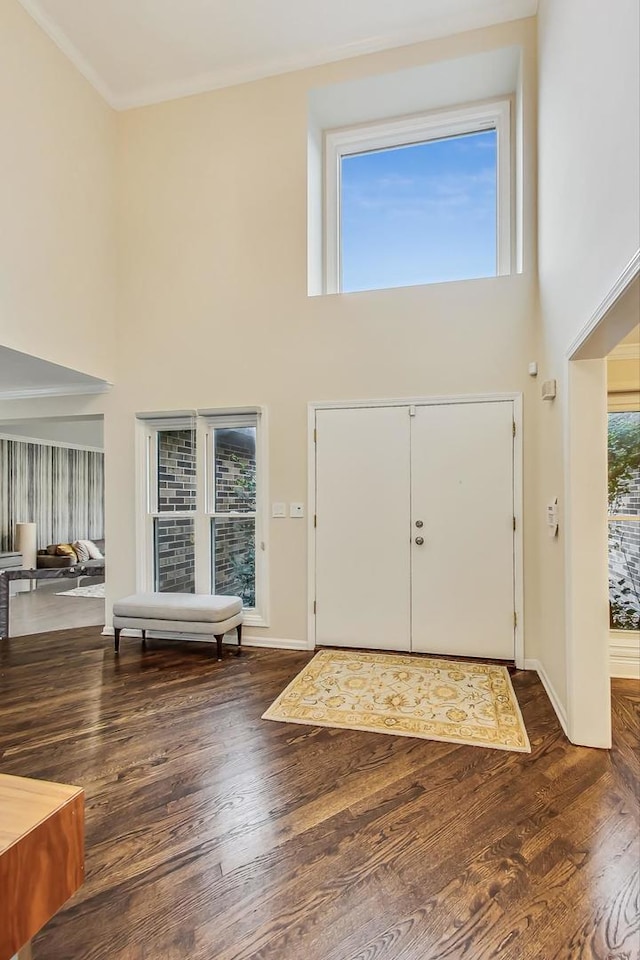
[[80, 547], [66, 550], [87, 550], [94, 552]]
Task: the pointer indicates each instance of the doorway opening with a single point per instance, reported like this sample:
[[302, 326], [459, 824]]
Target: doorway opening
[[587, 514], [52, 522]]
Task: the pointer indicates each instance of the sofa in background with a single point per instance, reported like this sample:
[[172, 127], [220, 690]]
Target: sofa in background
[[49, 559]]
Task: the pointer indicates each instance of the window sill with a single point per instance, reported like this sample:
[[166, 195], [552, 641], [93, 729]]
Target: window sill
[[412, 286]]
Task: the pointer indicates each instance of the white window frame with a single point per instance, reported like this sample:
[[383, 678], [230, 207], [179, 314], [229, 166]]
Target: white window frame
[[204, 423], [257, 616], [495, 115], [150, 511]]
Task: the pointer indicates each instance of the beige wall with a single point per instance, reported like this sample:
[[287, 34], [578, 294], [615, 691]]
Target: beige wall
[[588, 233], [589, 156], [214, 309], [211, 229], [57, 210]]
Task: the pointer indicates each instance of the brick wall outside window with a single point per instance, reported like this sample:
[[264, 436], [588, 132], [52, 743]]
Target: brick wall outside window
[[176, 470], [234, 538], [174, 537], [175, 560]]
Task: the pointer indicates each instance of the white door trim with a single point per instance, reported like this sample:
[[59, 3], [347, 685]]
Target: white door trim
[[587, 655], [516, 399]]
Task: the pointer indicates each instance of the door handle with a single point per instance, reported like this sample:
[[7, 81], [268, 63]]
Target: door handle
[[419, 541]]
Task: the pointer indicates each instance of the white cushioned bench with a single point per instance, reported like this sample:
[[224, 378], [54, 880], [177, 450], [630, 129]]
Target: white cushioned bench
[[179, 613]]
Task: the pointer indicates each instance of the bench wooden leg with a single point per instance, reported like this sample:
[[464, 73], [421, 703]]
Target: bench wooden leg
[[239, 650], [219, 642], [116, 637]]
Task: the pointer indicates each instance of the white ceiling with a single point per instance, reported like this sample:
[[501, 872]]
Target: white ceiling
[[22, 376], [144, 51]]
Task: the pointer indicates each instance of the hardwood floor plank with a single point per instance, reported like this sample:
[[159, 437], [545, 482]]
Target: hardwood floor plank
[[215, 835]]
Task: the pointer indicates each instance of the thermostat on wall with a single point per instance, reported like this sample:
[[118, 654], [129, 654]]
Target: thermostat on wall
[[549, 390]]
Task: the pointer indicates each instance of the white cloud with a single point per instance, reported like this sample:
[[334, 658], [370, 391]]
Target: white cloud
[[412, 196]]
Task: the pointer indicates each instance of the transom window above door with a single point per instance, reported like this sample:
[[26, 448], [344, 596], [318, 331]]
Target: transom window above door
[[419, 200]]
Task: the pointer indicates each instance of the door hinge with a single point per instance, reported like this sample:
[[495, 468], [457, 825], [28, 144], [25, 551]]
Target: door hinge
[[514, 428], [515, 620], [315, 519], [514, 523], [315, 606], [315, 436], [412, 411]]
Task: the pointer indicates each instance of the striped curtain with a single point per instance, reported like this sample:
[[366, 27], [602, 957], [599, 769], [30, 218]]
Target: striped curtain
[[58, 488]]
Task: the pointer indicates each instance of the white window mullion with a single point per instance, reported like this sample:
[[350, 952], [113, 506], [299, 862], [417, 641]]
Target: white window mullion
[[152, 473], [202, 544]]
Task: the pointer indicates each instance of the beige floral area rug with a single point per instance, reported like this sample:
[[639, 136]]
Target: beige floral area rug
[[471, 703]]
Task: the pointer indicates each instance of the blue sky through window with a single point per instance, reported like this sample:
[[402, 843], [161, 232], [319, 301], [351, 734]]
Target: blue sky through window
[[424, 213]]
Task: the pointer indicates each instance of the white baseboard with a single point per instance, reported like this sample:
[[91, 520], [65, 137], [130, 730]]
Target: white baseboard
[[275, 643], [624, 654], [551, 693]]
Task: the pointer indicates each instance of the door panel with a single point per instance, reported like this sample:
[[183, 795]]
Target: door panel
[[462, 491], [363, 522]]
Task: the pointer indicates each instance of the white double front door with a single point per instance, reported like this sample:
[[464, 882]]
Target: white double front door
[[415, 528]]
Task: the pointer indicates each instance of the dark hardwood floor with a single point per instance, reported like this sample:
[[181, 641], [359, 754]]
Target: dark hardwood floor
[[215, 835]]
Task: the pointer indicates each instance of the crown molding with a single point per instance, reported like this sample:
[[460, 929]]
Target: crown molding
[[499, 11], [72, 390], [624, 280]]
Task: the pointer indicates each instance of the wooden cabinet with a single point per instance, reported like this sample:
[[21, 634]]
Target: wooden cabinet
[[41, 855]]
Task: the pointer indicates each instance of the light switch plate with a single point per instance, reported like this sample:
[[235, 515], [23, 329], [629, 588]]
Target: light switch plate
[[296, 509], [278, 509]]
